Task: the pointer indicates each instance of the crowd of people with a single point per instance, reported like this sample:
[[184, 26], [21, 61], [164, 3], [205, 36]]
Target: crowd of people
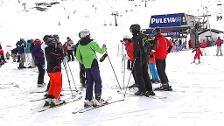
[[147, 58]]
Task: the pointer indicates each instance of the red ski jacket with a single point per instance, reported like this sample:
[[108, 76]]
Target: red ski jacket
[[1, 52], [219, 42], [203, 44], [129, 47], [198, 52], [161, 47]]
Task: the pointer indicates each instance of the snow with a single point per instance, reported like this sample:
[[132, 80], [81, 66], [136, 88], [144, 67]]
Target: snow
[[197, 98]]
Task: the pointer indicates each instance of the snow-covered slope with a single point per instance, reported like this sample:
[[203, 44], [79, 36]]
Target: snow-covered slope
[[197, 99]]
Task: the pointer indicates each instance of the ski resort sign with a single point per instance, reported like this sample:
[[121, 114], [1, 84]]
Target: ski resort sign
[[168, 20]]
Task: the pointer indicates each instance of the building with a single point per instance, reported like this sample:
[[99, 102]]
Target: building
[[210, 35]]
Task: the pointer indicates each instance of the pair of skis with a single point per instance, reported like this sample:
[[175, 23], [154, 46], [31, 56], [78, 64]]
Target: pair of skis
[[106, 102], [69, 100]]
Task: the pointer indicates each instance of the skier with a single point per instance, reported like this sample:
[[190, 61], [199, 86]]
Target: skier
[[14, 54], [7, 55], [2, 58], [21, 44], [162, 47], [129, 47], [198, 53], [86, 55], [39, 60], [82, 73], [54, 56], [70, 48], [152, 68], [219, 43], [141, 62], [203, 46], [28, 54]]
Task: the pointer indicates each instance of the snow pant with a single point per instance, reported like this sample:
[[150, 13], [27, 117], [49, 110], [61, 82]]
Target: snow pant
[[13, 57], [70, 55], [82, 75], [219, 50], [22, 60], [55, 85], [133, 71], [142, 76], [161, 67], [196, 57], [29, 60], [41, 74], [153, 71], [93, 76]]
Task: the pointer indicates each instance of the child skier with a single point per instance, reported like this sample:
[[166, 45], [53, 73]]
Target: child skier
[[129, 47], [86, 55], [197, 55], [152, 68], [54, 56]]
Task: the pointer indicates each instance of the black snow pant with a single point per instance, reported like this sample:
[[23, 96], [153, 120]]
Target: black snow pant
[[82, 75], [41, 74], [161, 67], [70, 55], [142, 76]]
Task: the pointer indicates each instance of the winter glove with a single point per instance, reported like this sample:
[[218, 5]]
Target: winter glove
[[103, 57]]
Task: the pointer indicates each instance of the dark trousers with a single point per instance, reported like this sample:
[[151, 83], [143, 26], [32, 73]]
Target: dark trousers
[[142, 76], [41, 74], [82, 75], [70, 55], [161, 67], [93, 77]]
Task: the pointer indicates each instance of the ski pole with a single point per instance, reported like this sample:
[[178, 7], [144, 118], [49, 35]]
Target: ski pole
[[72, 76], [67, 77], [129, 78], [123, 69], [114, 71]]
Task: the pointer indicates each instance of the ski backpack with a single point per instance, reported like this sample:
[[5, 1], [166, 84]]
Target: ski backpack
[[148, 43]]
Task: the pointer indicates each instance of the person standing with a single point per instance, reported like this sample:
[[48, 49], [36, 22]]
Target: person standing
[[54, 56], [2, 57], [153, 69], [203, 46], [218, 44], [129, 47], [20, 45], [197, 55], [70, 49], [86, 55], [28, 55], [141, 62], [39, 60], [82, 72], [162, 47]]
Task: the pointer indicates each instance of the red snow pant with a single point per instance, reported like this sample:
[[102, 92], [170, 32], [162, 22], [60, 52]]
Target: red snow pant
[[55, 85], [196, 56]]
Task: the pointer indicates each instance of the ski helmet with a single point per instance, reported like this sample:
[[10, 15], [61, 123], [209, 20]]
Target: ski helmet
[[49, 40], [135, 28], [84, 33]]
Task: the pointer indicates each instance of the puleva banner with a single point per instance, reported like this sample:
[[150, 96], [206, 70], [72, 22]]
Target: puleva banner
[[168, 20]]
